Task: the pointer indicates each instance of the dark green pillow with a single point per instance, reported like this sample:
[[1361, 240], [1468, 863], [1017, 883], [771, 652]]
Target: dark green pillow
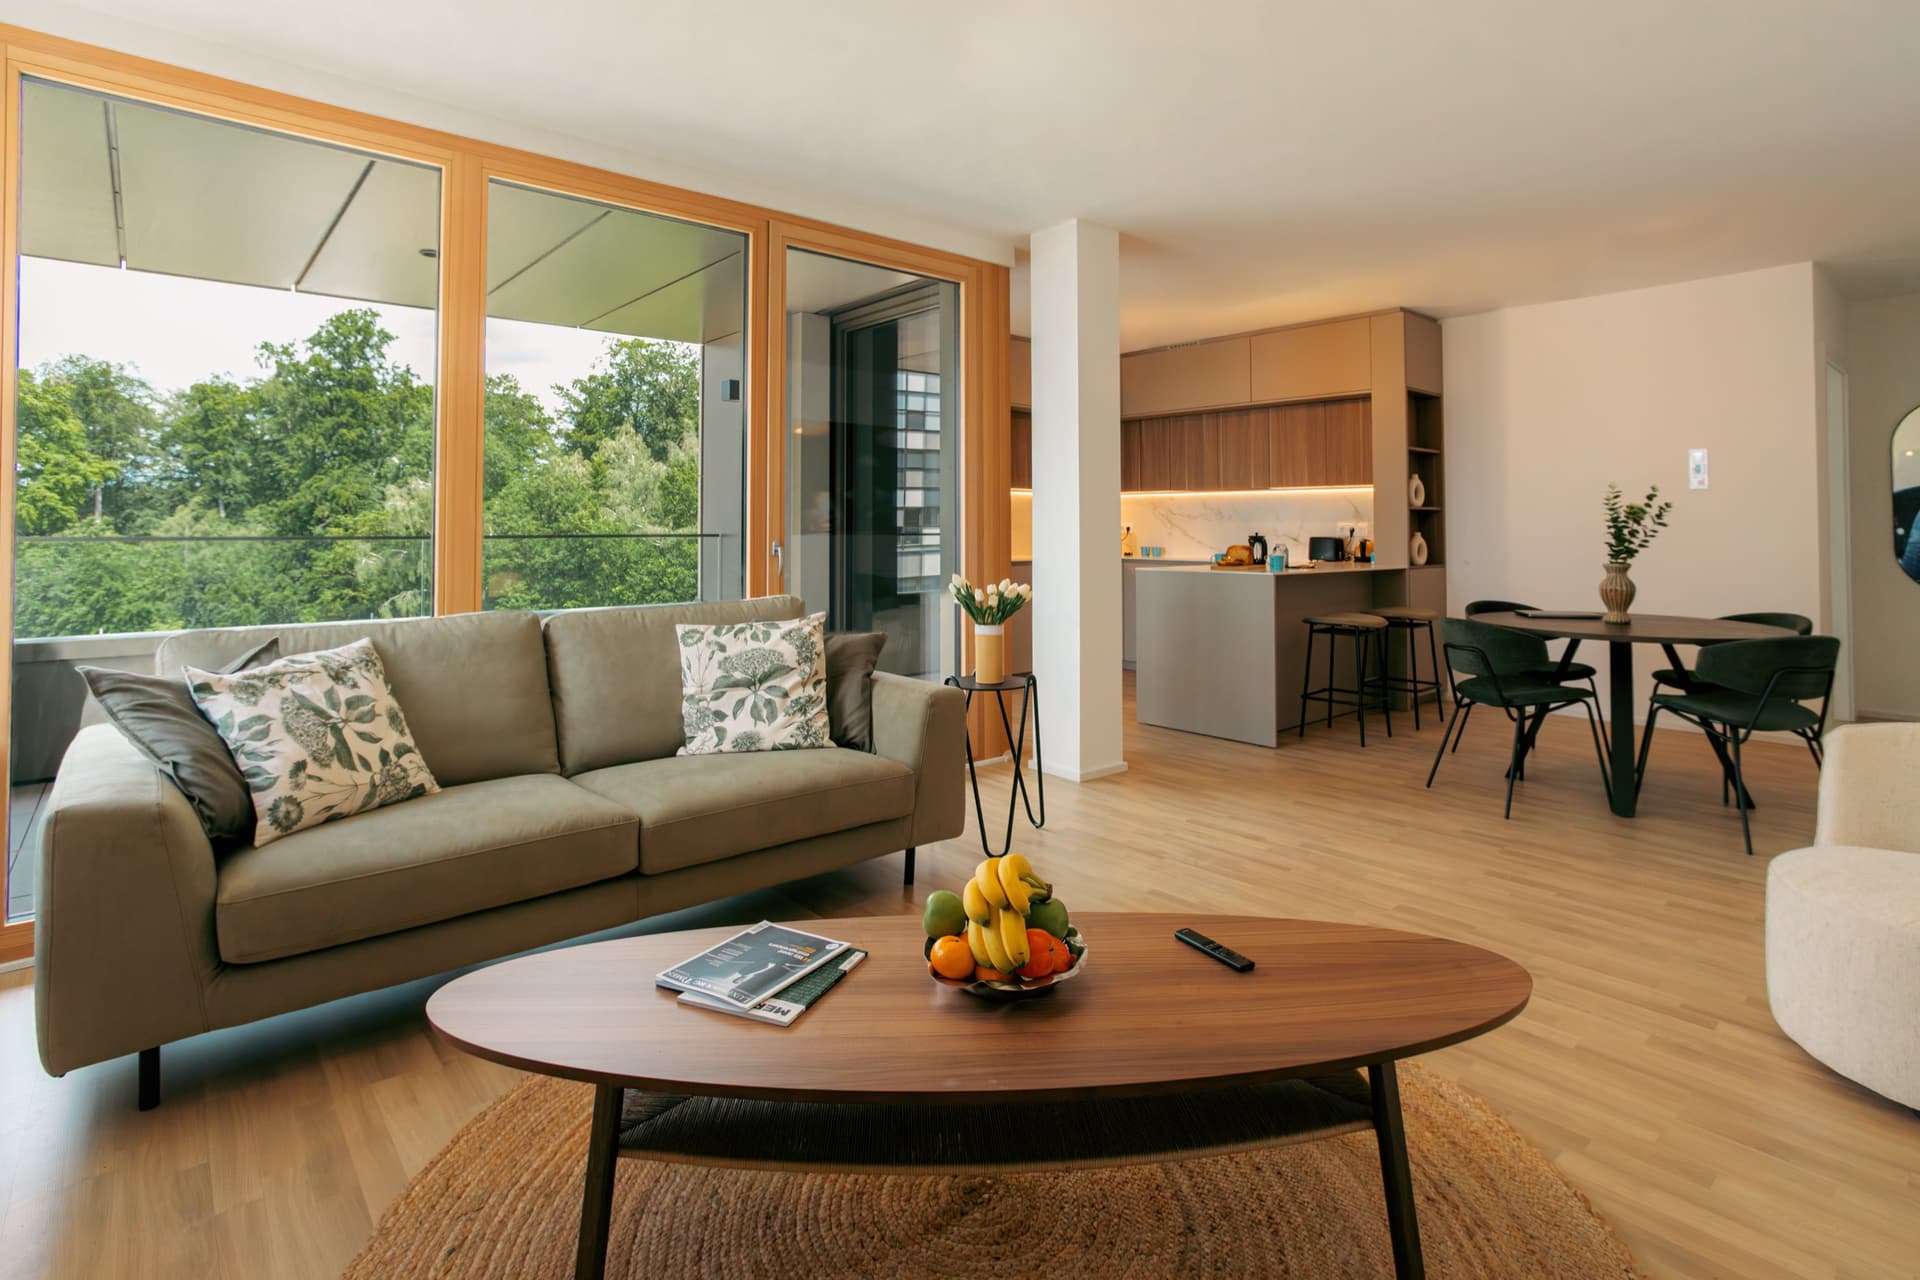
[[158, 716], [851, 658]]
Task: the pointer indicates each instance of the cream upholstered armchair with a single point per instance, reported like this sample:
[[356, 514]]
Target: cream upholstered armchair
[[1843, 916]]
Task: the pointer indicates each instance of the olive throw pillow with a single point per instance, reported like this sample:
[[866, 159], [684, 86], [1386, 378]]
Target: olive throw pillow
[[851, 659], [158, 716], [317, 737], [753, 686]]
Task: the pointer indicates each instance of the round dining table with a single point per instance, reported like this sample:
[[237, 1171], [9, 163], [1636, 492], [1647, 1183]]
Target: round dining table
[[1665, 630]]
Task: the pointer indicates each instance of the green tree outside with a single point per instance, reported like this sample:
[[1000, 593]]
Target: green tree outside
[[304, 494]]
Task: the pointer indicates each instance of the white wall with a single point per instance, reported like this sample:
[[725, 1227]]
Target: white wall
[[1883, 374], [1546, 404]]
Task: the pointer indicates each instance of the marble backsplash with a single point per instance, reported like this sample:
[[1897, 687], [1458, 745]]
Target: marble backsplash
[[1194, 526]]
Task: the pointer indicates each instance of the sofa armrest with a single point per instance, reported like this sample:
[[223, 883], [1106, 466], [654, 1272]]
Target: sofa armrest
[[924, 726], [1868, 795], [124, 930]]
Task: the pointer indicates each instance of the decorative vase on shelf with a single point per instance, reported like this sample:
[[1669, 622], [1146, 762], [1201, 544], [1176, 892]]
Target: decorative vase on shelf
[[1616, 592], [1416, 491], [990, 653], [1417, 549]]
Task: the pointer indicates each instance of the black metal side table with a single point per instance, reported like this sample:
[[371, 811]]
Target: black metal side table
[[1024, 684]]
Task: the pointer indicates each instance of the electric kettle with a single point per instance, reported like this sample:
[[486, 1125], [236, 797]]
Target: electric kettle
[[1258, 545]]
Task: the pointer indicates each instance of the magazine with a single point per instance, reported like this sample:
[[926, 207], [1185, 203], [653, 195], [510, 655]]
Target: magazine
[[751, 965], [796, 999]]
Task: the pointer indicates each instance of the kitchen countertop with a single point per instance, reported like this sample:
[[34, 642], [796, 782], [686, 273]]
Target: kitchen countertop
[[1318, 571]]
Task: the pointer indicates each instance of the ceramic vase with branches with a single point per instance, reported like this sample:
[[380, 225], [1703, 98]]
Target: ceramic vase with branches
[[1631, 528]]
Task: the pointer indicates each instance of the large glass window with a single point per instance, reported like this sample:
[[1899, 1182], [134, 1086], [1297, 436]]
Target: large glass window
[[226, 375], [873, 453], [615, 407]]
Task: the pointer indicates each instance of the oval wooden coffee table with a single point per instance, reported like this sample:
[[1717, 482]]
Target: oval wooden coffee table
[[1155, 1052]]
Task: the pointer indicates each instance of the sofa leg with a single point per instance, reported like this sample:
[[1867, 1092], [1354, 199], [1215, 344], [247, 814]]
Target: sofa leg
[[909, 875], [149, 1078]]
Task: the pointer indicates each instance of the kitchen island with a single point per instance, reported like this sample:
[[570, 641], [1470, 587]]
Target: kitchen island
[[1222, 652]]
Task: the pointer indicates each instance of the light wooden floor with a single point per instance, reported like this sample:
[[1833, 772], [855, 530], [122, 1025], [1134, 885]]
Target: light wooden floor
[[1647, 1065]]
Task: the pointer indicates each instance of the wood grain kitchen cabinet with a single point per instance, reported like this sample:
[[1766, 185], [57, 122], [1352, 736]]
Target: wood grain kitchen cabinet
[[1297, 444], [1312, 362], [1020, 373], [1023, 449], [1204, 375], [1349, 442], [1130, 433], [1244, 460]]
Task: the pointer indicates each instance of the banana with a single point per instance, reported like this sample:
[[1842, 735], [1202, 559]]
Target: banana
[[1012, 929], [997, 954], [1015, 869], [978, 909], [1019, 892], [977, 942], [987, 876]]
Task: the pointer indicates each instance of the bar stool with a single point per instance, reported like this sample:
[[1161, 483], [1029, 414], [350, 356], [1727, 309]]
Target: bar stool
[[1412, 620], [1369, 633]]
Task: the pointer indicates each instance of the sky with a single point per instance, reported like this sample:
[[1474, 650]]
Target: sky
[[176, 331]]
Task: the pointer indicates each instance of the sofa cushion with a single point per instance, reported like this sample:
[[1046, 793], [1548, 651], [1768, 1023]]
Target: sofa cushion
[[459, 850], [697, 809], [474, 685], [615, 675], [318, 737], [753, 686], [851, 659]]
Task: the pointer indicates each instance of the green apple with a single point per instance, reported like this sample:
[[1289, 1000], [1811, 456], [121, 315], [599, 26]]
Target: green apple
[[945, 914], [1050, 915]]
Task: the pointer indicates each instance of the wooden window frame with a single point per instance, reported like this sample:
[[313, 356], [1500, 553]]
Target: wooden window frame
[[467, 165]]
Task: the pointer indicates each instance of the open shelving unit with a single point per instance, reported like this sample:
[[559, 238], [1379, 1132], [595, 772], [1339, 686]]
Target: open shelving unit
[[1425, 442]]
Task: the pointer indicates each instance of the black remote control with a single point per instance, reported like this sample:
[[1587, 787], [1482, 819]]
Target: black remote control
[[1207, 946]]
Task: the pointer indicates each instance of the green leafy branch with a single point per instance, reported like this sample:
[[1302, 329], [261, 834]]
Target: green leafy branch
[[1632, 526]]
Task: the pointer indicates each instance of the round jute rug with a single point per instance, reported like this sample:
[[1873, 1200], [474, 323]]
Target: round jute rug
[[503, 1200]]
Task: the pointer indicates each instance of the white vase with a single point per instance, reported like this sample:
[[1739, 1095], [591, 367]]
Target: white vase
[[1417, 549], [1416, 491]]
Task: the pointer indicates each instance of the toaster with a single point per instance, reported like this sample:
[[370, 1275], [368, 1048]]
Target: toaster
[[1326, 548]]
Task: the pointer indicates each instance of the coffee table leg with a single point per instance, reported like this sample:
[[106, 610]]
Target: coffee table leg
[[596, 1203], [1394, 1174]]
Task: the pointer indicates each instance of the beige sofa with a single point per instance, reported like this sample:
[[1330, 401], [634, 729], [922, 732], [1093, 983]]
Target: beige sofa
[[564, 811]]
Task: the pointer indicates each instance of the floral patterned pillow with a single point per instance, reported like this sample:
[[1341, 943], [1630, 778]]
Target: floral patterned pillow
[[753, 686], [317, 736]]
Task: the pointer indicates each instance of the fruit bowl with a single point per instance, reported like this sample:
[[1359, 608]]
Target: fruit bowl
[[1020, 988]]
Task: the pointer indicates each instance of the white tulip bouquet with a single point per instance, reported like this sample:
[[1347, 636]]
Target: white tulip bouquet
[[993, 604]]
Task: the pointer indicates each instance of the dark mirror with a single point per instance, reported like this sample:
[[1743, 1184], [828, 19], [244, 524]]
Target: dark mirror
[[1906, 493]]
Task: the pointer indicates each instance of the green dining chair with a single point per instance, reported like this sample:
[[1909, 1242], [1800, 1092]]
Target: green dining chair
[[1509, 670], [1744, 687], [1685, 681], [1575, 672]]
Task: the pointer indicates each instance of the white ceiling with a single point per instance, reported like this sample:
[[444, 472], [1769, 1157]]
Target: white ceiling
[[1265, 162]]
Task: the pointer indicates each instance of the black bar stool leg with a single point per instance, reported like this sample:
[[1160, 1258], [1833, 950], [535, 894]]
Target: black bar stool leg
[[1413, 677], [1306, 679]]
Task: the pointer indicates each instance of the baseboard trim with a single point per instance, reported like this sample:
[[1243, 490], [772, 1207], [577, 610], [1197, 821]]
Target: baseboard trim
[[1088, 775], [12, 966]]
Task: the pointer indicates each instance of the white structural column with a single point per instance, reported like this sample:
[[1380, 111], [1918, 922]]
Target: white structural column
[[1076, 496]]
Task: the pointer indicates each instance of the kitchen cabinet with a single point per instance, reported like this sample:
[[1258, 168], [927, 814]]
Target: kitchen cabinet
[[1202, 375], [1423, 354], [1312, 362], [1020, 373], [1285, 446], [1023, 449]]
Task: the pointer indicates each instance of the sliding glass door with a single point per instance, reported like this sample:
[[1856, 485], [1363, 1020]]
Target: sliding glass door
[[872, 456]]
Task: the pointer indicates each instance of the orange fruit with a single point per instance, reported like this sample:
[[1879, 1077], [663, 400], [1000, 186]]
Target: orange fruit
[[1040, 948], [1062, 957], [951, 957], [984, 974]]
